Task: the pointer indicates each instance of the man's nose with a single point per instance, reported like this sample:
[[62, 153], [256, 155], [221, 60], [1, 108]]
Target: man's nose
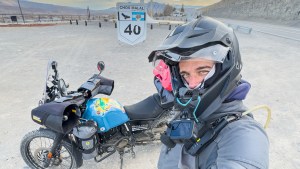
[[192, 86], [194, 82]]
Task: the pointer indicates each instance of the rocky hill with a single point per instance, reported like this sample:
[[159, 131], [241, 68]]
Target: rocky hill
[[12, 7], [277, 10]]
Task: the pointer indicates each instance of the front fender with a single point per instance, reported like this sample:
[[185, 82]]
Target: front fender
[[75, 151]]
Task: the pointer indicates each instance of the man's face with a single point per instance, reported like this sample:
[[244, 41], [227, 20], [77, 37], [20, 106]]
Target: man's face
[[195, 70]]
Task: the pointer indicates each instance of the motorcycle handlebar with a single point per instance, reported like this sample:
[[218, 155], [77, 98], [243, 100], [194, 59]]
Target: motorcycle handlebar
[[97, 85]]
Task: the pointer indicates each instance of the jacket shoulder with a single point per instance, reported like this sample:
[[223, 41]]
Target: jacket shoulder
[[244, 143]]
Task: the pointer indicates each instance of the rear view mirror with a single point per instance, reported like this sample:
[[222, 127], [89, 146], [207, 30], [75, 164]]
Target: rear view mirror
[[100, 66], [54, 65]]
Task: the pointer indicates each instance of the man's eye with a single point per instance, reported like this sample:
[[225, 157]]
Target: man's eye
[[184, 75], [203, 72]]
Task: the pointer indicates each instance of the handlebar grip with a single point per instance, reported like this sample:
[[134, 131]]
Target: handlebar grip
[[97, 85], [106, 86]]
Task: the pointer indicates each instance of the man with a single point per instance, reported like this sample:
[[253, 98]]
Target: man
[[204, 64]]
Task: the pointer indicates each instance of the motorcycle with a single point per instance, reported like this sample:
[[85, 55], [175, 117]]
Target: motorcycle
[[76, 126]]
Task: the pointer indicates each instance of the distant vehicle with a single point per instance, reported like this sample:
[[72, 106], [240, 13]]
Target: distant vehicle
[[105, 18], [178, 14]]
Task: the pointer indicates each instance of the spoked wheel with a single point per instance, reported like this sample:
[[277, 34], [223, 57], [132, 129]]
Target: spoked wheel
[[36, 145]]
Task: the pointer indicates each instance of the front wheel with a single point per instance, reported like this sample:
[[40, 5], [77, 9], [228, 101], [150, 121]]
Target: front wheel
[[36, 145]]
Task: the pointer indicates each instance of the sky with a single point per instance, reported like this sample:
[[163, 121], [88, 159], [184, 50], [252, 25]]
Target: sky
[[104, 4]]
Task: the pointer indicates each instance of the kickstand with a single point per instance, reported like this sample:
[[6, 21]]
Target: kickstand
[[122, 154], [121, 158], [132, 152]]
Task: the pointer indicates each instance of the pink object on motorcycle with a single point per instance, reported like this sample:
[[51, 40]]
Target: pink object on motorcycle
[[162, 72]]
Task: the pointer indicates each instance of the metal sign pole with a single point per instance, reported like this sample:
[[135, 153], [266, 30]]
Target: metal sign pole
[[21, 11]]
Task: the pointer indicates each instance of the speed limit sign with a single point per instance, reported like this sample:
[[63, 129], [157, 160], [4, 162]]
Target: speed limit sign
[[132, 24]]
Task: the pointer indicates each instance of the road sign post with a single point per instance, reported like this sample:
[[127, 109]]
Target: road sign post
[[132, 26]]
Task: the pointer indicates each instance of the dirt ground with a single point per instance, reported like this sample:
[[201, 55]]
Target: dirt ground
[[271, 65]]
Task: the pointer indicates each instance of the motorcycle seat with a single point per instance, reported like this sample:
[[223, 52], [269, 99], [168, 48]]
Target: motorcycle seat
[[148, 108]]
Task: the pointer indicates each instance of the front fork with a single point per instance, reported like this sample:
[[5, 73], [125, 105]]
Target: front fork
[[56, 144], [131, 142]]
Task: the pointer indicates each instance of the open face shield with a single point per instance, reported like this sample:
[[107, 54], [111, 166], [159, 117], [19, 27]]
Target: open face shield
[[216, 53], [167, 56]]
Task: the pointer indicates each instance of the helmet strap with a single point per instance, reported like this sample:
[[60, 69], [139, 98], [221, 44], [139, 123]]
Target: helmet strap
[[191, 105]]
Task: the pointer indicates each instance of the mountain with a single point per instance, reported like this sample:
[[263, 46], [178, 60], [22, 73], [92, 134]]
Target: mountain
[[287, 10], [12, 7]]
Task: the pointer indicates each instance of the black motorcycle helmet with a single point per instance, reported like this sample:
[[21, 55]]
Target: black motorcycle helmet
[[207, 38]]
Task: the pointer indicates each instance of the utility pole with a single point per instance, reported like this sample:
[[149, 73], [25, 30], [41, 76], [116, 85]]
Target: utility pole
[[21, 11], [151, 8], [88, 13]]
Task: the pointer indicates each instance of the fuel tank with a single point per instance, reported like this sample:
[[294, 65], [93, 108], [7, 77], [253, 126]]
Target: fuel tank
[[107, 112]]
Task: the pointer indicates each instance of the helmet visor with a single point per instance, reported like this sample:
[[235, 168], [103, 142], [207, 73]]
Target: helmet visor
[[167, 55], [216, 53]]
